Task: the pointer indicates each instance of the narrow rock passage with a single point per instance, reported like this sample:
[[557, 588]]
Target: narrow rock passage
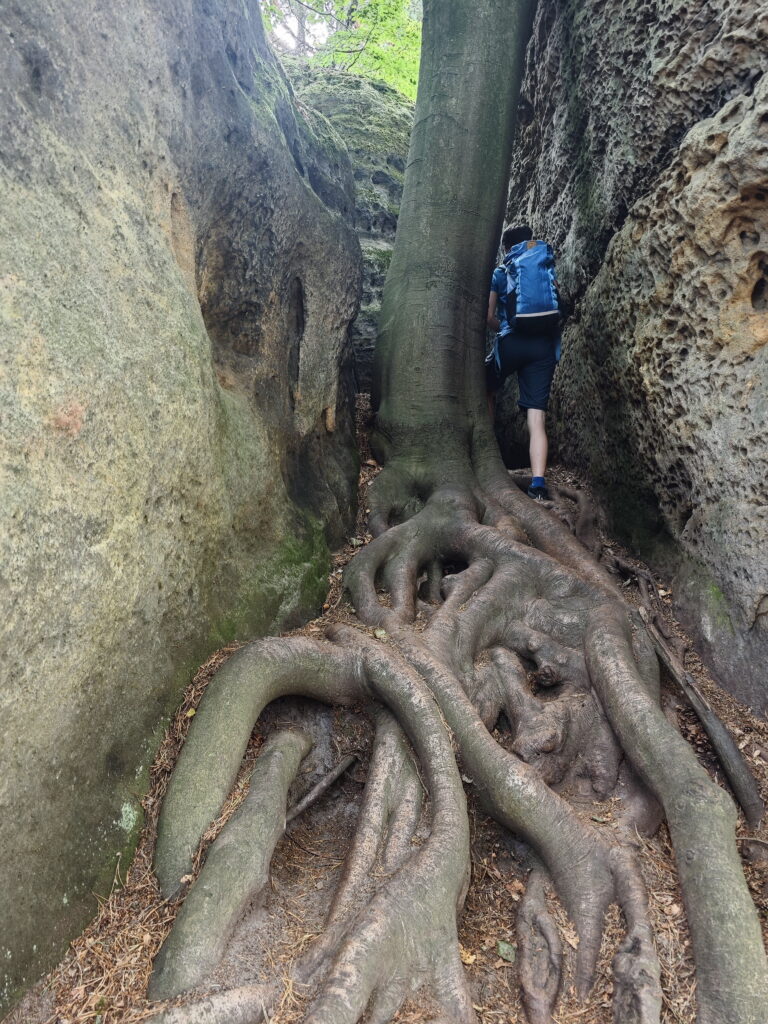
[[516, 927]]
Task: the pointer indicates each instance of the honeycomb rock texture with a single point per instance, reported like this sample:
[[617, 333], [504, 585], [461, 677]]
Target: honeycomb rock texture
[[643, 158], [374, 122], [178, 272]]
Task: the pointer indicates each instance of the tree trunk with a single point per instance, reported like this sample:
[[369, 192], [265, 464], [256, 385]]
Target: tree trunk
[[429, 357], [300, 13]]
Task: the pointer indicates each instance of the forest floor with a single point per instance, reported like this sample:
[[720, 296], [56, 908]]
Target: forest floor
[[103, 977]]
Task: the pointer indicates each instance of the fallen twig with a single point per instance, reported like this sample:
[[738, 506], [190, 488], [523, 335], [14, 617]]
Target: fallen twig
[[317, 791]]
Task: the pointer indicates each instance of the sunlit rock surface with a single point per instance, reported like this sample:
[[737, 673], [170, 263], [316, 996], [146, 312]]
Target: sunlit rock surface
[[178, 274], [643, 158]]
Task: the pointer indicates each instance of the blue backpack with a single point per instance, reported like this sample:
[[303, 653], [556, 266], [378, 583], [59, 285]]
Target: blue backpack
[[531, 277]]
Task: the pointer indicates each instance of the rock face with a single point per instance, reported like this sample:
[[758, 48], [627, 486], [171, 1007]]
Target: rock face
[[374, 122], [178, 272], [643, 158]]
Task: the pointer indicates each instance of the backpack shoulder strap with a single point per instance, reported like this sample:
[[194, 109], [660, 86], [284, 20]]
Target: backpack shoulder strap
[[511, 269]]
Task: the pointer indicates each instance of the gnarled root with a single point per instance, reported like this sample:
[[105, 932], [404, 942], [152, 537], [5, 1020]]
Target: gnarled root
[[391, 809], [541, 952], [637, 986], [405, 936], [515, 618], [512, 792], [725, 931]]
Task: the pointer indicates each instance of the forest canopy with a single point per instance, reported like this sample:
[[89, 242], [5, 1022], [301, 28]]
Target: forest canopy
[[376, 38]]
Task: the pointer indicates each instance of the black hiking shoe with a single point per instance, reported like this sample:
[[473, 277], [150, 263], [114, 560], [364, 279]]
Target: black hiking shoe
[[539, 494]]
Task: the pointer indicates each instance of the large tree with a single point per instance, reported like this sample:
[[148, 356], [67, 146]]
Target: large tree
[[467, 587]]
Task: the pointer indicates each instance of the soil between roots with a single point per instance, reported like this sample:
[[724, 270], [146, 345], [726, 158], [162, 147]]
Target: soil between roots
[[104, 975]]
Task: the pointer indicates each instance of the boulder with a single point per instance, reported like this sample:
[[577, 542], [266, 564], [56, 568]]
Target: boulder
[[178, 272]]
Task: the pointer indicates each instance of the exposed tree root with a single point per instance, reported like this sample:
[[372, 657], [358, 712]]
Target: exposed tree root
[[475, 616], [541, 952], [234, 873], [390, 812], [250, 1004]]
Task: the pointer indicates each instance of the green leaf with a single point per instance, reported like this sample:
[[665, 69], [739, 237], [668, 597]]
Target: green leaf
[[506, 951]]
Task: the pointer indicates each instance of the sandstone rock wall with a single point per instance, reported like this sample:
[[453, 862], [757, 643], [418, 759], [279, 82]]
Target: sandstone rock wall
[[178, 272], [643, 157], [374, 123]]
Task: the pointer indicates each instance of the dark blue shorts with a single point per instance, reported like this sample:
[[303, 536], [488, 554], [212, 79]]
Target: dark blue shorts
[[532, 358]]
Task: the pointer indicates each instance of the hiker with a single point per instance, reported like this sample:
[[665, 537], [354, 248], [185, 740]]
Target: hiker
[[524, 311]]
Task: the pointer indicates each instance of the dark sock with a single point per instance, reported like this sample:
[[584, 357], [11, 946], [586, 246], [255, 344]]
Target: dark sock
[[538, 481]]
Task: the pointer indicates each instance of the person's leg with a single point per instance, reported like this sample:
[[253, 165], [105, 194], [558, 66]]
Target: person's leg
[[538, 446], [535, 379]]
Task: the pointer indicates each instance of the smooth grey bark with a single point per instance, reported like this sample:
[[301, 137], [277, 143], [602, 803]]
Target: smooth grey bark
[[429, 355], [235, 871]]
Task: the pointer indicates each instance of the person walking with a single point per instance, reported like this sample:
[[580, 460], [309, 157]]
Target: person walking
[[524, 311]]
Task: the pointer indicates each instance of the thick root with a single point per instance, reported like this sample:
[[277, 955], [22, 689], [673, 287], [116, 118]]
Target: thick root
[[514, 795], [405, 937], [383, 833], [541, 952], [211, 755], [637, 984], [234, 874], [249, 1004], [728, 948]]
